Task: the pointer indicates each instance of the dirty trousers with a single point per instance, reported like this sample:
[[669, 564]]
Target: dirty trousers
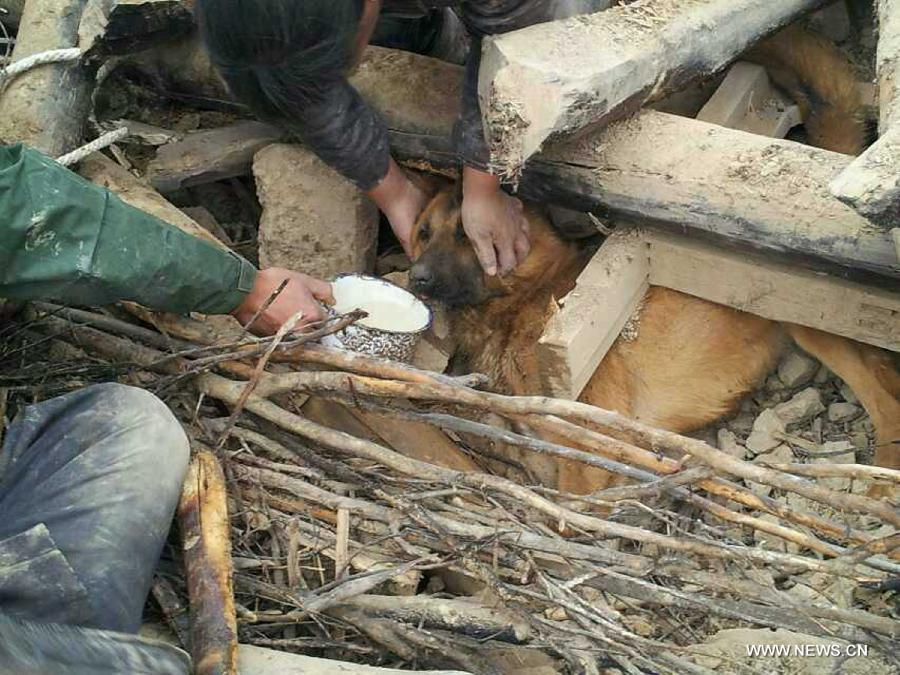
[[88, 486]]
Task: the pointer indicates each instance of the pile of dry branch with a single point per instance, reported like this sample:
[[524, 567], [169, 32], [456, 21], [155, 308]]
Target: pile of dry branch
[[367, 520], [346, 547]]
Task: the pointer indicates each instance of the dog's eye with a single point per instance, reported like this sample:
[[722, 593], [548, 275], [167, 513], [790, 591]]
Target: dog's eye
[[460, 232], [424, 233]]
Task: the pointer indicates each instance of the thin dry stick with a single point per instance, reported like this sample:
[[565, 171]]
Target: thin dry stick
[[876, 546], [839, 471], [286, 328], [336, 594], [268, 303], [341, 554]]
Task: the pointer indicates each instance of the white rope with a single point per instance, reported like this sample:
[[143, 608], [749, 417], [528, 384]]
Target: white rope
[[39, 59], [104, 141]]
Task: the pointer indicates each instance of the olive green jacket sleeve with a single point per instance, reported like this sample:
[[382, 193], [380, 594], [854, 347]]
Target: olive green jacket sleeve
[[65, 239]]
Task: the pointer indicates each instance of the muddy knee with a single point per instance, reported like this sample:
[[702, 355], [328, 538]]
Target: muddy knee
[[148, 437]]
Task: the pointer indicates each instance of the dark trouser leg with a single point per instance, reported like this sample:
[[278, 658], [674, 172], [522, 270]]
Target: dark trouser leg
[[101, 469]]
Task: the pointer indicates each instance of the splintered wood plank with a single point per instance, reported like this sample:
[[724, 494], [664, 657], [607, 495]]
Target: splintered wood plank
[[775, 291], [746, 100], [592, 315]]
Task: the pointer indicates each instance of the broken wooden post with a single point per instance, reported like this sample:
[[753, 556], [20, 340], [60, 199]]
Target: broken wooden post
[[871, 184], [205, 535], [110, 27], [47, 106], [458, 615], [544, 81]]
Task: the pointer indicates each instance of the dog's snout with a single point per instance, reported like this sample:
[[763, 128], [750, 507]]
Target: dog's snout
[[421, 278]]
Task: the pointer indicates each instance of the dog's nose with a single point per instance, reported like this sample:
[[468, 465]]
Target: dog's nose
[[421, 280]]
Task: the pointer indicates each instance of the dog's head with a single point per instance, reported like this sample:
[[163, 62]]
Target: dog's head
[[446, 267]]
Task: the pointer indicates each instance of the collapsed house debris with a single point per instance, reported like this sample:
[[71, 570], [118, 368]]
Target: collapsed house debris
[[341, 507], [541, 82]]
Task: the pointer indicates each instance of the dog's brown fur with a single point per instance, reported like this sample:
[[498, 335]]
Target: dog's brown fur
[[692, 361]]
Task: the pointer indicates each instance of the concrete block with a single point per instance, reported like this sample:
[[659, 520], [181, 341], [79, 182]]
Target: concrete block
[[314, 220]]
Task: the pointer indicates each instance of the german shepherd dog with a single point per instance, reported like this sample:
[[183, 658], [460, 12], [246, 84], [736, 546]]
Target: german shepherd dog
[[692, 360]]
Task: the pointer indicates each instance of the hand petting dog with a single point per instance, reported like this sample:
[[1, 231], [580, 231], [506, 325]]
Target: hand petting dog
[[494, 223]]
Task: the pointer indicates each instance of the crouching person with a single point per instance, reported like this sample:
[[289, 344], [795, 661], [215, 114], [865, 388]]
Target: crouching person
[[89, 481], [88, 485]]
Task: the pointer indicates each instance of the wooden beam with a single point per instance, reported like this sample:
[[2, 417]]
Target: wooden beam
[[871, 184], [736, 189], [47, 106], [775, 291], [592, 315], [210, 155], [554, 78]]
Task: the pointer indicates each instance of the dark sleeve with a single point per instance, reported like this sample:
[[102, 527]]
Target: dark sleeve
[[345, 133], [468, 133], [488, 17], [63, 238]]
